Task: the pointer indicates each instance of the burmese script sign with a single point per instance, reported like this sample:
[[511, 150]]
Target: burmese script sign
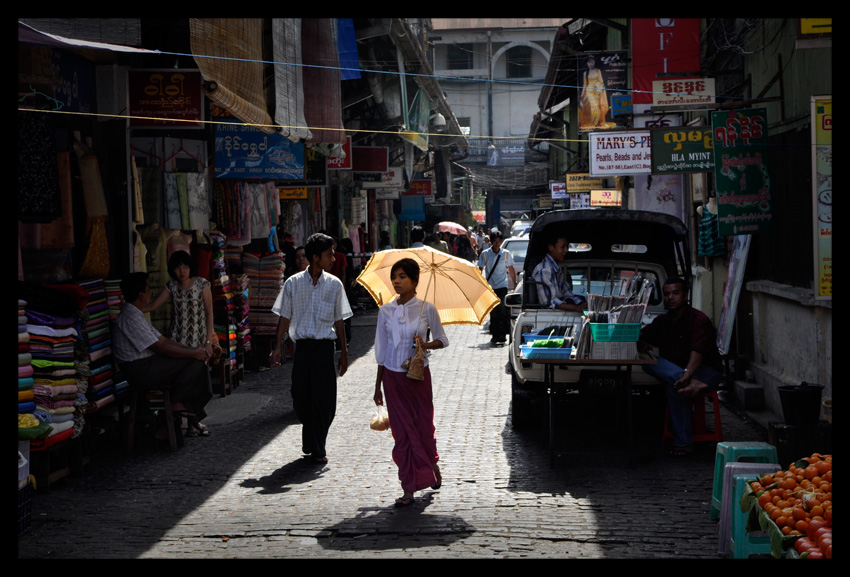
[[164, 98], [620, 153], [683, 93], [682, 149], [740, 171]]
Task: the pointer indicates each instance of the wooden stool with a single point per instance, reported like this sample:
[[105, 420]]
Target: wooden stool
[[175, 434], [701, 434]]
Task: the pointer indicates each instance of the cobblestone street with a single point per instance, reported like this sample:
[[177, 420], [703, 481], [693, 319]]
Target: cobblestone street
[[244, 492]]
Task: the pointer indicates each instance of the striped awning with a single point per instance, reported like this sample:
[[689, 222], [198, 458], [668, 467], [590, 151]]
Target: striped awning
[[229, 54]]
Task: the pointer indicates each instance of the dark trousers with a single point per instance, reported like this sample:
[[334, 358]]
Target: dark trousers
[[314, 392], [500, 317], [188, 380]]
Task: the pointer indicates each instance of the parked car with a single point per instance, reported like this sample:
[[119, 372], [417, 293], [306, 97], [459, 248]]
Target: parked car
[[521, 227], [605, 246]]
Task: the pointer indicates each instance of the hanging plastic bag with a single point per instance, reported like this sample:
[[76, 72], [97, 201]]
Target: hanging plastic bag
[[381, 420]]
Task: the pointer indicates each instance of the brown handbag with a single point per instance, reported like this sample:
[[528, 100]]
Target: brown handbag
[[416, 367]]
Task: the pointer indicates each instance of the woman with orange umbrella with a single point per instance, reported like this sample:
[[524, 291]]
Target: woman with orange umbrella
[[402, 324]]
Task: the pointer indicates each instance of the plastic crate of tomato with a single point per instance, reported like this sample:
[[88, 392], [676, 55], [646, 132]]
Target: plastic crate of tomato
[[794, 507]]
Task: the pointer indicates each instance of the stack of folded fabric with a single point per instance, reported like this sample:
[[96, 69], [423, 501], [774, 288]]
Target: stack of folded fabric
[[242, 308], [265, 276], [53, 341], [113, 297], [97, 333], [25, 369]]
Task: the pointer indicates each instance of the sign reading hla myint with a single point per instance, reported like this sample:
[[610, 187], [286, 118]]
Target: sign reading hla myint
[[620, 153]]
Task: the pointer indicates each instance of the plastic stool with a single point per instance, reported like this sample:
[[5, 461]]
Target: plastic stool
[[731, 453], [700, 433], [741, 543], [728, 504]]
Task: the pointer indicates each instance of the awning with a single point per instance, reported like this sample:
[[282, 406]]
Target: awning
[[289, 79], [29, 35], [322, 89], [229, 54]]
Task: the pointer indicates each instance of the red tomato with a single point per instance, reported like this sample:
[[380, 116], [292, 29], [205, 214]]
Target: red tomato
[[813, 527], [814, 554], [803, 544]]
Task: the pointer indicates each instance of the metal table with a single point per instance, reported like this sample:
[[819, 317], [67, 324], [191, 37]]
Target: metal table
[[623, 367]]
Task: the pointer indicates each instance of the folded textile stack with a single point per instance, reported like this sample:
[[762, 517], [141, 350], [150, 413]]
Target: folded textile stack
[[97, 336], [25, 369], [242, 308], [53, 328], [265, 275], [113, 297]]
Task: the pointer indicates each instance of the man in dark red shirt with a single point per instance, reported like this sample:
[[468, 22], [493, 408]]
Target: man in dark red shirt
[[688, 359]]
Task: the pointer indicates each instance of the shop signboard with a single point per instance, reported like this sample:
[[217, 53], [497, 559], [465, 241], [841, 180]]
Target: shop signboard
[[293, 193], [558, 189], [606, 197], [682, 149], [243, 152], [164, 98], [741, 179], [580, 200], [420, 187], [392, 178], [620, 153], [343, 163], [822, 190], [683, 93], [603, 77], [661, 47], [581, 182], [369, 158]]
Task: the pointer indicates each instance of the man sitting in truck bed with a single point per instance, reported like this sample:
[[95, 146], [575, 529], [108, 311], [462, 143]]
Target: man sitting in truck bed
[[553, 289]]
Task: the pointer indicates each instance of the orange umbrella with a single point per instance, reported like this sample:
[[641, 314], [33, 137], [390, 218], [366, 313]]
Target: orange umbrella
[[454, 285]]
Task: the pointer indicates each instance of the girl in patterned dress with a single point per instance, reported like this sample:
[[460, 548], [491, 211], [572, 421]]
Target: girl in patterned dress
[[192, 313]]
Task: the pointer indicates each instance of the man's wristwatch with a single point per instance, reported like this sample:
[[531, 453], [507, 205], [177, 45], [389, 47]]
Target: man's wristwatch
[[686, 371]]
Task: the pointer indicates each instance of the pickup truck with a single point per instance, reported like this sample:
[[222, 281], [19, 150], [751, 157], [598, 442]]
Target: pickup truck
[[607, 246]]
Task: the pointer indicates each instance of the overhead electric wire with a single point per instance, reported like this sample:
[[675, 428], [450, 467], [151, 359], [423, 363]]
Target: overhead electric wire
[[396, 73]]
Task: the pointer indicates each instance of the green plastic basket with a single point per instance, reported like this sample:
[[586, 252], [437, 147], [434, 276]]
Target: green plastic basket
[[615, 332]]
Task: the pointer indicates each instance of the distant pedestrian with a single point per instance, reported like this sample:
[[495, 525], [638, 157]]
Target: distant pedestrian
[[402, 324], [417, 235], [312, 307], [496, 264], [439, 243]]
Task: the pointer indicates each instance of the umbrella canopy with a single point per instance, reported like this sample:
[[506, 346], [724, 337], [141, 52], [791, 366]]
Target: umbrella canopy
[[455, 286], [451, 227]]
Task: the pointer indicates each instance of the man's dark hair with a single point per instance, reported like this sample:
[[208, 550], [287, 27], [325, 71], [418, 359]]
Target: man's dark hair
[[417, 234], [317, 244], [133, 285], [179, 257], [677, 280], [496, 234], [553, 237]]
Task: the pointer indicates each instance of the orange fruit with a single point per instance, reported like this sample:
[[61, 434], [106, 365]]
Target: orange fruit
[[801, 526], [823, 467], [810, 472]]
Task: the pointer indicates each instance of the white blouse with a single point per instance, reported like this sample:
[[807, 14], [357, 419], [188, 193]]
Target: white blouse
[[398, 324]]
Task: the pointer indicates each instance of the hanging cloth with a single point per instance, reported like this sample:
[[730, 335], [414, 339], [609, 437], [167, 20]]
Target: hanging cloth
[[171, 200], [710, 243], [96, 261], [38, 187], [198, 201]]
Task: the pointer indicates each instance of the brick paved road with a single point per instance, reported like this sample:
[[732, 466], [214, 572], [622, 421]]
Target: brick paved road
[[244, 492]]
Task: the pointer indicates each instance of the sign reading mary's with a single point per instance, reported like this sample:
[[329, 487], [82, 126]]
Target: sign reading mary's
[[243, 152]]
